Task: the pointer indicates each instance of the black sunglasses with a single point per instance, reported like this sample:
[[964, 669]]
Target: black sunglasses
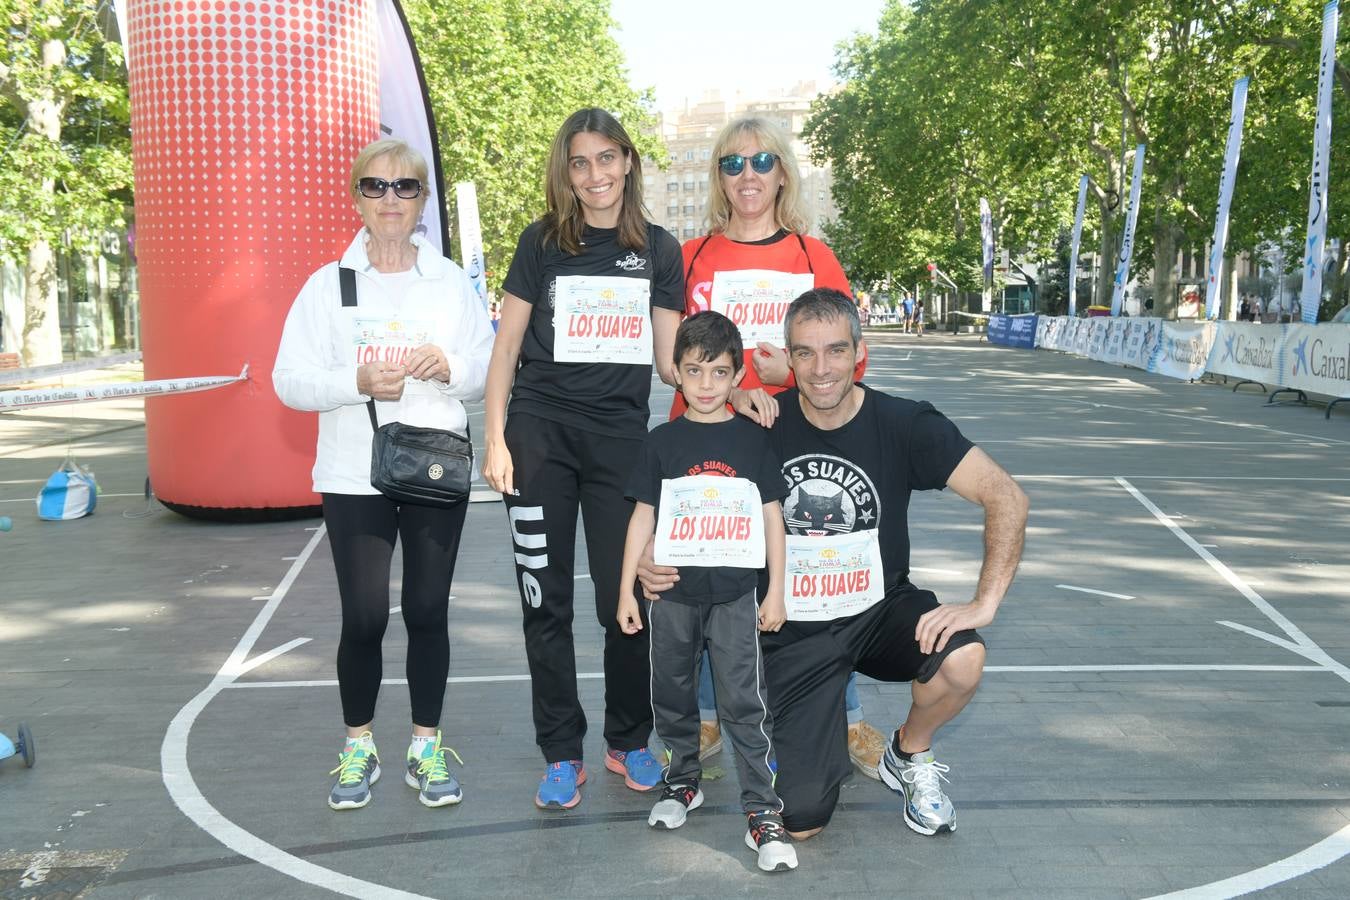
[[734, 164], [375, 188]]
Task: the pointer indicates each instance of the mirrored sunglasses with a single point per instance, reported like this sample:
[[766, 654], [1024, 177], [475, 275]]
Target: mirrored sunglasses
[[734, 164]]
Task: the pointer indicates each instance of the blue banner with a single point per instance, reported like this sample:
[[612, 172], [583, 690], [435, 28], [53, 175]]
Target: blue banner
[[1013, 331]]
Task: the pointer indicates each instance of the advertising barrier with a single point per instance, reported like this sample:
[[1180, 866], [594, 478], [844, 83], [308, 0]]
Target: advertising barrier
[[1311, 358], [1013, 331]]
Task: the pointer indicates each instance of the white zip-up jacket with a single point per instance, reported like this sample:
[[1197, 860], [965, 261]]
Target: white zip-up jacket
[[317, 361]]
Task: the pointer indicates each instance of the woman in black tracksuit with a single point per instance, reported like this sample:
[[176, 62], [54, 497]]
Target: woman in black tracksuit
[[575, 424]]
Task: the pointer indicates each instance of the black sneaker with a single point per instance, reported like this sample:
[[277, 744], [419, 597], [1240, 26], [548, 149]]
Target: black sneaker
[[677, 801], [770, 840]]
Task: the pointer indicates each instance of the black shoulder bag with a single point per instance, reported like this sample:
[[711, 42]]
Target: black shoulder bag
[[426, 466]]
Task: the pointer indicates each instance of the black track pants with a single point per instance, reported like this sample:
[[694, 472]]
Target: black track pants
[[361, 531], [558, 470]]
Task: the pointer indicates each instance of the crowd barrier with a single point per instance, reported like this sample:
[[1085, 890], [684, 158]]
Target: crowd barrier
[[1295, 357]]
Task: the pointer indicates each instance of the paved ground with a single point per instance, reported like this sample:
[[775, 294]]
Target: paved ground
[[1169, 703]]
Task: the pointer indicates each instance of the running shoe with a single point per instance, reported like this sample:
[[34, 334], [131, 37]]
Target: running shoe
[[639, 768], [865, 747], [709, 740], [677, 801], [919, 781], [358, 768], [560, 787], [767, 837], [430, 776]]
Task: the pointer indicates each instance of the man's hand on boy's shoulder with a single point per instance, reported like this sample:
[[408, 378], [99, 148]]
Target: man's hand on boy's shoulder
[[756, 404]]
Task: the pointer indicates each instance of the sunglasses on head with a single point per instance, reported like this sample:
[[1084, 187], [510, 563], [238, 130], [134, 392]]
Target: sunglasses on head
[[734, 164], [375, 188]]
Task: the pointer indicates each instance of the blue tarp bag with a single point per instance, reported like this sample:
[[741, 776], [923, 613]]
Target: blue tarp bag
[[70, 493]]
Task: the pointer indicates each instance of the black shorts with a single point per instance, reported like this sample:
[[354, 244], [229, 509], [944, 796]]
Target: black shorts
[[806, 667]]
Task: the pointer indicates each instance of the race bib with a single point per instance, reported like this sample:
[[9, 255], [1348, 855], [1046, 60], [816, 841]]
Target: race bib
[[832, 576], [602, 319], [389, 340], [757, 301], [710, 520]]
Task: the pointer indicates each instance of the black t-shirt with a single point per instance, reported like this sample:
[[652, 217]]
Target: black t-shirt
[[605, 398], [860, 476], [736, 448]]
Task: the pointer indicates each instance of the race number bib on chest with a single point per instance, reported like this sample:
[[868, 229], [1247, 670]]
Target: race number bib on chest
[[757, 301], [389, 340], [832, 576], [710, 520], [602, 319]]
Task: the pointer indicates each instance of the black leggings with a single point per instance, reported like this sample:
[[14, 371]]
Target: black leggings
[[362, 529]]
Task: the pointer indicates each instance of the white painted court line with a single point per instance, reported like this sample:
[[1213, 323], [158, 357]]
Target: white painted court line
[[189, 799], [1212, 420], [1048, 477], [931, 571], [1013, 670], [1308, 647], [1318, 856], [1324, 852], [1083, 590]]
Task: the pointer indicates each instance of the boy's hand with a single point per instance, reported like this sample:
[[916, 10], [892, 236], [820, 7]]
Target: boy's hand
[[772, 612], [630, 617], [756, 405]]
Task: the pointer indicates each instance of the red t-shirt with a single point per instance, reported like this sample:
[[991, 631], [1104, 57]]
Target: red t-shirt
[[783, 252]]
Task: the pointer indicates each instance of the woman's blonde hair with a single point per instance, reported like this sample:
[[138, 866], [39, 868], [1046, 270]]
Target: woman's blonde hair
[[788, 209], [565, 218]]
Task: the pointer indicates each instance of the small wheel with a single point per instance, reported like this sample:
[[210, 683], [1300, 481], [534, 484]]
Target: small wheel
[[27, 748]]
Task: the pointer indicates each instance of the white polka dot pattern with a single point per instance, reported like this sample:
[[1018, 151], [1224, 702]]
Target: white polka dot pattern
[[245, 117]]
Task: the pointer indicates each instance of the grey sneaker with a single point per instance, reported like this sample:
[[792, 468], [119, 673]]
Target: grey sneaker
[[677, 801], [768, 838], [431, 777], [358, 768], [919, 782]]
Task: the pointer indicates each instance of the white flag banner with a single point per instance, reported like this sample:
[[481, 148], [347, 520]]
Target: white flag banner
[[405, 111], [1310, 298], [94, 392], [1230, 161], [987, 240], [471, 237], [1127, 244], [1073, 245]]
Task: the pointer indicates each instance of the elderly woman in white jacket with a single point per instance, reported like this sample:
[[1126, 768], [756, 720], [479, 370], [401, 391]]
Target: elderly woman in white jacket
[[418, 343]]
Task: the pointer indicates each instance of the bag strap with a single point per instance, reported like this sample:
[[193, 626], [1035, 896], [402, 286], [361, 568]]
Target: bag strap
[[347, 284]]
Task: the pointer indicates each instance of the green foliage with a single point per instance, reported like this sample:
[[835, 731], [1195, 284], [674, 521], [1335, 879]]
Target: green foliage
[[65, 143], [503, 75], [1012, 100]]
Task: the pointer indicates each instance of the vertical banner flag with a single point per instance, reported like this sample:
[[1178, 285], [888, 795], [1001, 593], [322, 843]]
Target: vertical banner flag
[[1073, 246], [987, 238], [1311, 296], [1127, 244], [471, 237], [1230, 161], [405, 111]]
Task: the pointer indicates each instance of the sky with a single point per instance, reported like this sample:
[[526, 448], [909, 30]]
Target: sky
[[683, 49]]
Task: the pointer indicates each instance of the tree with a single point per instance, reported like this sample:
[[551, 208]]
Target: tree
[[65, 171], [1014, 99], [501, 88]]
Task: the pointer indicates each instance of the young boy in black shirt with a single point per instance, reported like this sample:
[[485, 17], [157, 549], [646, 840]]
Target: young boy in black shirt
[[709, 526]]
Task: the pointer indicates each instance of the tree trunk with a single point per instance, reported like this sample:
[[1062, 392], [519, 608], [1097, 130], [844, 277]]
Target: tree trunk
[[1166, 237], [42, 319], [1106, 271]]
